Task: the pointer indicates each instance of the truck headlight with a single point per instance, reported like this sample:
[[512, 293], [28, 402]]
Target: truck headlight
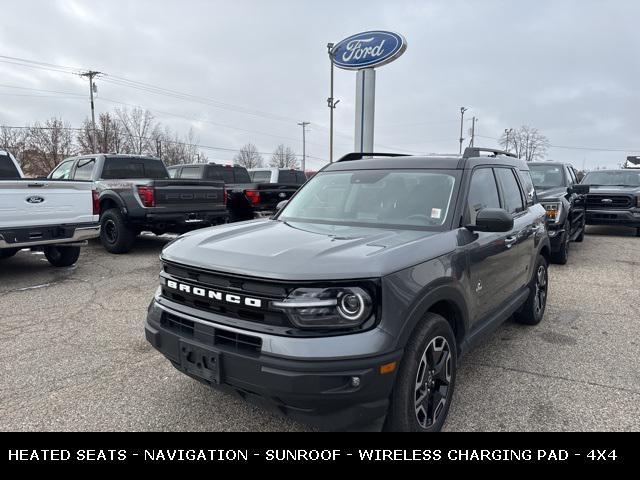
[[327, 308], [553, 211]]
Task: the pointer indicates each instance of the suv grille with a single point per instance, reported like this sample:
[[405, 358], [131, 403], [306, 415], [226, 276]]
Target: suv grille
[[601, 201], [261, 290], [211, 335]]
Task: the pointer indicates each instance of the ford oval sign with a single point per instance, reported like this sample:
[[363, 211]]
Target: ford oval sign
[[368, 50], [35, 199]]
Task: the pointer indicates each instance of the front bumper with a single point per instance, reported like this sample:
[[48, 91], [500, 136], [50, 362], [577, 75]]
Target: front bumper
[[36, 237], [629, 218], [319, 392]]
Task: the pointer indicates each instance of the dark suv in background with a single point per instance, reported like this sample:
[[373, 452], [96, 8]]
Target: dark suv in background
[[357, 299], [614, 198], [559, 192]]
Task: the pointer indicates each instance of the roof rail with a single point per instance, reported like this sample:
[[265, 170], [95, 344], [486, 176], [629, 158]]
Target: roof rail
[[360, 155], [475, 152]]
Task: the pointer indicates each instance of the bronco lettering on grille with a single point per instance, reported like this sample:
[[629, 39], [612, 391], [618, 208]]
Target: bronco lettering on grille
[[214, 294]]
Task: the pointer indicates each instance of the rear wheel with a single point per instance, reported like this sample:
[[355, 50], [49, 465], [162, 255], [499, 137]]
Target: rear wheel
[[532, 311], [116, 236], [62, 256], [7, 253], [425, 380]]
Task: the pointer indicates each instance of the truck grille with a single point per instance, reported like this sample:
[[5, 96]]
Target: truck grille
[[255, 289], [210, 335], [608, 202]]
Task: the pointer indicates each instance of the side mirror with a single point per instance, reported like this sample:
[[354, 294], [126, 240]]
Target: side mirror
[[579, 188], [281, 205], [492, 220]]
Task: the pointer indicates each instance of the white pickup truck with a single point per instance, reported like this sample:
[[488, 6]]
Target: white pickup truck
[[56, 216]]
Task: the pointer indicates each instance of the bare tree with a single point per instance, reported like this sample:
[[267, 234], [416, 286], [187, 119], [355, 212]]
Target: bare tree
[[177, 150], [284, 157], [47, 145], [140, 130], [249, 157], [109, 135], [526, 142], [13, 140]]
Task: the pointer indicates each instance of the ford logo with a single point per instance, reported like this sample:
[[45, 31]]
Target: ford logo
[[282, 195], [35, 199], [607, 200], [368, 50]]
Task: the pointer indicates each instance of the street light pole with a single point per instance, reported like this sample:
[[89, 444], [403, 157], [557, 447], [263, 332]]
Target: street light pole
[[332, 105], [304, 143], [462, 110], [473, 130]]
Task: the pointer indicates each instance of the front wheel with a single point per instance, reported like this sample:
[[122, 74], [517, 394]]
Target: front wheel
[[425, 380], [562, 256], [580, 237], [62, 256], [533, 309]]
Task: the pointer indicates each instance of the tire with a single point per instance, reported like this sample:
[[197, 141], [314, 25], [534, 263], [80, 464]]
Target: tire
[[562, 256], [580, 237], [533, 309], [62, 256], [115, 235], [7, 253], [432, 344], [638, 232]]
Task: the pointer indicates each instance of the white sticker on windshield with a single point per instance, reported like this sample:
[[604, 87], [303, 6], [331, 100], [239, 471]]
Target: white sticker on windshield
[[436, 212]]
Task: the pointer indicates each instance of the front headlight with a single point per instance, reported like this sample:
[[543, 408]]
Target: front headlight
[[553, 211], [327, 308]]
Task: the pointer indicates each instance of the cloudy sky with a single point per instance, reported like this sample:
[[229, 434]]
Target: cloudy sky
[[256, 68]]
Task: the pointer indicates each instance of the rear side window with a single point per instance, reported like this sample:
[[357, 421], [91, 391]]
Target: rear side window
[[62, 171], [529, 189], [7, 168], [512, 201], [261, 176], [291, 176], [84, 169], [483, 192], [190, 172], [241, 175], [133, 167], [228, 174]]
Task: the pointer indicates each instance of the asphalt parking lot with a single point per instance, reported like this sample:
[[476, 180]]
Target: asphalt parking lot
[[74, 356]]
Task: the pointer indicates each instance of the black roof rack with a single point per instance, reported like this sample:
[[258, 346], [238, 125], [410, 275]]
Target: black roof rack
[[360, 155], [475, 152]]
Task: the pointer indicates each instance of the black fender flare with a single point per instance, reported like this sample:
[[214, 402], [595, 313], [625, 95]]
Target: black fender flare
[[431, 295]]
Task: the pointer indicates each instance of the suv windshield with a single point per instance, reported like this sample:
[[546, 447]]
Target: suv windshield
[[547, 176], [374, 198], [613, 177]]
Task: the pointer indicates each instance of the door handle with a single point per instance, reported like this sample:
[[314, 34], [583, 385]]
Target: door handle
[[510, 241]]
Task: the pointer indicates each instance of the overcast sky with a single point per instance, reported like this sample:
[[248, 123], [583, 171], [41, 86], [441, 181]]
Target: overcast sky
[[569, 68]]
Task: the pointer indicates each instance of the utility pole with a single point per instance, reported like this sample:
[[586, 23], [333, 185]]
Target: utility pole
[[304, 143], [473, 130], [507, 132], [92, 88], [331, 102], [462, 110]]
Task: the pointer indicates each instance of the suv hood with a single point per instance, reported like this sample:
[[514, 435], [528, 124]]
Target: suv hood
[[305, 251], [551, 193]]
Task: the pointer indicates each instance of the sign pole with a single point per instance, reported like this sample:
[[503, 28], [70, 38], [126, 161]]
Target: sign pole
[[365, 110]]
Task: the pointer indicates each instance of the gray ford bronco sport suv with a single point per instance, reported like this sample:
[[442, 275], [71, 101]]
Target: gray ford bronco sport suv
[[356, 300]]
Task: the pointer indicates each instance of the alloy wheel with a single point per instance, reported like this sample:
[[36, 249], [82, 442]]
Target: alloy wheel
[[432, 382], [541, 290]]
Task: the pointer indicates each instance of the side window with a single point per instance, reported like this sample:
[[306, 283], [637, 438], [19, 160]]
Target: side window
[[63, 171], [84, 169], [529, 189], [571, 176], [483, 192], [261, 176], [190, 172], [512, 201], [173, 172]]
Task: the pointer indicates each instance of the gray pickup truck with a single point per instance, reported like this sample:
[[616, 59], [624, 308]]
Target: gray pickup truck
[[136, 194]]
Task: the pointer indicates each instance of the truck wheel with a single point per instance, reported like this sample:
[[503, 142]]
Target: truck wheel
[[532, 311], [425, 380], [7, 253], [580, 237], [62, 256], [115, 235], [562, 256]]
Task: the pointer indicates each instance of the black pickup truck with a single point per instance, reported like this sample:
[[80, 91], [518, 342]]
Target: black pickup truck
[[135, 193], [614, 198], [246, 200], [563, 198]]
